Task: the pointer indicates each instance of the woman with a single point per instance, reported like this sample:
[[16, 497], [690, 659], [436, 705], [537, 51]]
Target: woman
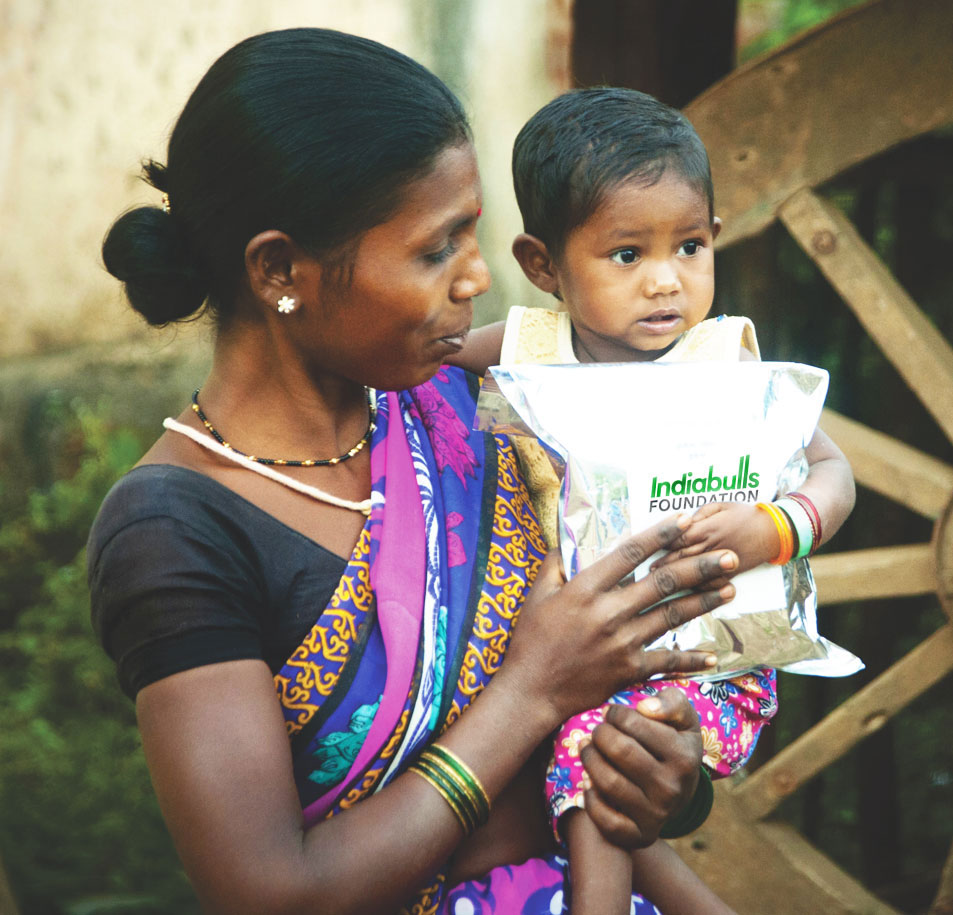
[[321, 193]]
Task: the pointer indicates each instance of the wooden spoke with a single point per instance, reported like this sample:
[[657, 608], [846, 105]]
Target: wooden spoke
[[901, 473], [888, 571], [847, 725], [904, 334]]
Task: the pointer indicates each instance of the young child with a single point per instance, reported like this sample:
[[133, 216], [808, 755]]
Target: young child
[[616, 196]]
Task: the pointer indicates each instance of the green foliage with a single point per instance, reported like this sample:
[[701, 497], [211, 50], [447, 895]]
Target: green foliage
[[794, 16], [80, 830]]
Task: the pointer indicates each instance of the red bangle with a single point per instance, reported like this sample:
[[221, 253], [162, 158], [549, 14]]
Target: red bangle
[[812, 514]]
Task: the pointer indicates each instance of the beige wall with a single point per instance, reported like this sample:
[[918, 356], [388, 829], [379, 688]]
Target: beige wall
[[88, 89]]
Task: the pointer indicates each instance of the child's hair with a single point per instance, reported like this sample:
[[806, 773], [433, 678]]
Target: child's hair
[[581, 145], [309, 131]]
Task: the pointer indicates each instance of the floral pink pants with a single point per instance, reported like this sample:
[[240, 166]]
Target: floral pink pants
[[732, 713]]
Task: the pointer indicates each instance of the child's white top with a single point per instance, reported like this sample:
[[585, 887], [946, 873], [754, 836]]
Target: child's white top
[[543, 337]]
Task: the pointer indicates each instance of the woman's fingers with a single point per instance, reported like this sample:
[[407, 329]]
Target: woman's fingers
[[642, 771], [618, 828], [610, 569], [550, 577], [688, 573], [616, 802], [677, 743], [673, 663], [682, 553], [671, 614], [672, 707]]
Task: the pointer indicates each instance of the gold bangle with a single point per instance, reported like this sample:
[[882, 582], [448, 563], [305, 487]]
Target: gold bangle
[[445, 794], [463, 804], [470, 783]]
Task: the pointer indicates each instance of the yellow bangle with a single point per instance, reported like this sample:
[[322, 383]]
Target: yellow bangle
[[785, 534]]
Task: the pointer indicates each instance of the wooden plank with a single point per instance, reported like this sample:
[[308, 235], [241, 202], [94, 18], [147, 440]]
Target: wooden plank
[[943, 541], [8, 905], [919, 481], [943, 903], [778, 123], [887, 571], [904, 334], [847, 725], [821, 871], [760, 867]]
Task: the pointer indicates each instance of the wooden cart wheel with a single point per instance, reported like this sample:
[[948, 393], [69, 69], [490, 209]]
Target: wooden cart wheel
[[776, 129]]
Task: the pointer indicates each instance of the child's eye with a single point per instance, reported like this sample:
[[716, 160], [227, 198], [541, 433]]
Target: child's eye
[[625, 256], [447, 251], [690, 248]]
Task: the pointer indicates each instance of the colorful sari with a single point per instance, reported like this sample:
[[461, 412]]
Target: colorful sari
[[419, 623]]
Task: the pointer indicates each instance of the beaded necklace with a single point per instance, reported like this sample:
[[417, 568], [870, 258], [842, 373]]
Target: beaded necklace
[[324, 462]]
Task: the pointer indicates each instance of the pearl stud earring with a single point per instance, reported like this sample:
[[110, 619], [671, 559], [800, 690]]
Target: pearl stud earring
[[286, 305]]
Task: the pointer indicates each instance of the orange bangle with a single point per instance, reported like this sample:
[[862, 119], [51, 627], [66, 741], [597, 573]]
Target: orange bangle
[[785, 534]]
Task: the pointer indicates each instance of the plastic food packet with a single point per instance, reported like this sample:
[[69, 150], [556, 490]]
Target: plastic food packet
[[637, 441]]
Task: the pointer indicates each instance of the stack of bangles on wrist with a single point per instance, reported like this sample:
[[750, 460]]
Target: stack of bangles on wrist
[[453, 780], [798, 524]]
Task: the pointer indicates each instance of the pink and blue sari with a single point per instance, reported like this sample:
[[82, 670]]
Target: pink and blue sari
[[418, 624]]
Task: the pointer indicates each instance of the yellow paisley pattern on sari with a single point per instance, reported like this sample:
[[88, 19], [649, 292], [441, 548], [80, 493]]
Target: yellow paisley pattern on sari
[[511, 570], [329, 640]]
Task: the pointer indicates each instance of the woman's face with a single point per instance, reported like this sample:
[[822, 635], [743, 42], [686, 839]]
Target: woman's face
[[406, 302]]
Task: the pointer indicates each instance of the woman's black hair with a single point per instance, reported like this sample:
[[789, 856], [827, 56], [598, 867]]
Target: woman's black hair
[[581, 145], [309, 131]]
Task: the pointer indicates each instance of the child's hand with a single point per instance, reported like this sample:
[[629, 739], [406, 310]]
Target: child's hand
[[746, 530]]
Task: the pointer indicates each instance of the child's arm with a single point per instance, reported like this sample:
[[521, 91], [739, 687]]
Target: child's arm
[[659, 873], [600, 874], [829, 484], [481, 349], [751, 533]]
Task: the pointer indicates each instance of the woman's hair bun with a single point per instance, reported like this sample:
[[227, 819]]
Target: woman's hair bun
[[145, 250]]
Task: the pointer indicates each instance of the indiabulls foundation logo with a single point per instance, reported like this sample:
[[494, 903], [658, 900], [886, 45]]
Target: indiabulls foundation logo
[[691, 490]]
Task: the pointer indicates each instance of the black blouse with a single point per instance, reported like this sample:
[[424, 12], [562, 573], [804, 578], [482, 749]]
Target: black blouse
[[184, 572]]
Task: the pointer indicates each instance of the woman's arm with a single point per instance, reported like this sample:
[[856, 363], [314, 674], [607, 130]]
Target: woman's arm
[[219, 754], [220, 760], [481, 349]]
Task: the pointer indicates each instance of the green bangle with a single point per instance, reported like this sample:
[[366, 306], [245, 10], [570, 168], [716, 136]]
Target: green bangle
[[694, 813], [447, 792], [801, 522], [467, 781], [451, 793]]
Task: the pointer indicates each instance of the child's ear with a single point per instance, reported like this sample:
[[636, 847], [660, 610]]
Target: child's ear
[[715, 228], [533, 256]]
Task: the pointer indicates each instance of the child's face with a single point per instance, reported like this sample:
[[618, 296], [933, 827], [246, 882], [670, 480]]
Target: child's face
[[640, 271]]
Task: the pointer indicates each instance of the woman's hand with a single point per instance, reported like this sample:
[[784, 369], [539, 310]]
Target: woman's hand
[[580, 641], [643, 766]]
